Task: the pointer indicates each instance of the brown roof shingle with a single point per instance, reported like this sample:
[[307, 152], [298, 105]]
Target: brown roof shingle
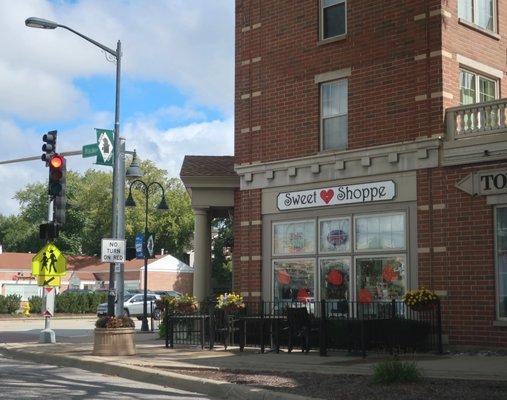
[[208, 166]]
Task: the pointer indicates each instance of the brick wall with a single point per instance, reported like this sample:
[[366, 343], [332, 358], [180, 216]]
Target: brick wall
[[277, 101], [247, 243], [456, 254]]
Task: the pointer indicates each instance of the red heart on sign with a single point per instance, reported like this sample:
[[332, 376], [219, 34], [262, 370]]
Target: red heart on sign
[[327, 195]]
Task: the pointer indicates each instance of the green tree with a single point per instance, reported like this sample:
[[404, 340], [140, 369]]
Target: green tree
[[88, 214], [221, 265]]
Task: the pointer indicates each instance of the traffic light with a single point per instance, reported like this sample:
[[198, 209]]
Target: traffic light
[[57, 186], [49, 146]]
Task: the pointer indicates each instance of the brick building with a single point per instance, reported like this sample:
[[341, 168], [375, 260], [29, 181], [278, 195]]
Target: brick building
[[371, 139]]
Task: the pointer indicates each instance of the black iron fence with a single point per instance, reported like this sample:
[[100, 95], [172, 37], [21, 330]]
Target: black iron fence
[[325, 325]]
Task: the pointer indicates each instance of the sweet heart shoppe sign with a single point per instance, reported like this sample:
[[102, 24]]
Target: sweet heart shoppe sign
[[346, 194]]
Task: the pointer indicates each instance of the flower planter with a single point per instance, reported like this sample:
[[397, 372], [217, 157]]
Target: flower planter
[[424, 306], [114, 342]]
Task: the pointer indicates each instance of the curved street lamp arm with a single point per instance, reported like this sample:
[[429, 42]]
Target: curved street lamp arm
[[105, 48], [145, 187], [159, 185]]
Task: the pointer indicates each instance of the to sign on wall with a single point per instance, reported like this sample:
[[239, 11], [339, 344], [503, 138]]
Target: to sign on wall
[[338, 195], [484, 183]]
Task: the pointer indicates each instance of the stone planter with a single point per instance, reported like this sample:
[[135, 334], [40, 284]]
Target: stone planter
[[114, 342]]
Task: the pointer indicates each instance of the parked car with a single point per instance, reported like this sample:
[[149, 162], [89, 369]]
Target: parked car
[[168, 293], [133, 306]]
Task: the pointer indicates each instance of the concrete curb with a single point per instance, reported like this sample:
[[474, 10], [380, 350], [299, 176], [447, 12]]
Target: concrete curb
[[220, 389], [41, 318]]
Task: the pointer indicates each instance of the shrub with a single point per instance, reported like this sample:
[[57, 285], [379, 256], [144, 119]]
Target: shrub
[[395, 371], [114, 322], [35, 304], [3, 305], [78, 302], [11, 304]]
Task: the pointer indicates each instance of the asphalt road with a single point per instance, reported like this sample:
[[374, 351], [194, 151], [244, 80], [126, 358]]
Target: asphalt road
[[25, 380], [67, 330]]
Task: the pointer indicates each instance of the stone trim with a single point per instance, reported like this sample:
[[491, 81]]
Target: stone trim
[[245, 223], [423, 208], [446, 95], [441, 293], [255, 94], [421, 97], [245, 294], [245, 29], [479, 67], [256, 59], [256, 294], [423, 250], [257, 25], [256, 258], [420, 57], [385, 159], [256, 128], [245, 130], [245, 96], [257, 222], [440, 11], [440, 206], [419, 17], [439, 249], [245, 62], [442, 53], [333, 75], [484, 148], [244, 258]]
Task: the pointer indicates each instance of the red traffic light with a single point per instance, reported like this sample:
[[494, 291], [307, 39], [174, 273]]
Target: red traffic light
[[56, 162]]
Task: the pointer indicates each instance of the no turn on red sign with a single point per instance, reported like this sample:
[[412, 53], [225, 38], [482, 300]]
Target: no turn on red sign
[[113, 251]]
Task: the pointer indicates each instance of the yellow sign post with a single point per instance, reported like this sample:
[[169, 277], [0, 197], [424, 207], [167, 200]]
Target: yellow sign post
[[49, 265]]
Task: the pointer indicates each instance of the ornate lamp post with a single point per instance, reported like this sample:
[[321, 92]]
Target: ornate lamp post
[[162, 206]]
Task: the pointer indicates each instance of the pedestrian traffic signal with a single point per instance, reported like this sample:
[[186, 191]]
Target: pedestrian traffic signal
[[49, 146]]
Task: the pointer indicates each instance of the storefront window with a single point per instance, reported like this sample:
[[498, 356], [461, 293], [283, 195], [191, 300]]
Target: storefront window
[[334, 235], [358, 258], [294, 280], [501, 250], [334, 278], [293, 238], [380, 278], [380, 232]]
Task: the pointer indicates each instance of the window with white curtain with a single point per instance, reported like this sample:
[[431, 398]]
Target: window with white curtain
[[501, 261], [334, 114], [479, 12], [476, 88]]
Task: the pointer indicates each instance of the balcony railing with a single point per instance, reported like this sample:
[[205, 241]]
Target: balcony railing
[[476, 119]]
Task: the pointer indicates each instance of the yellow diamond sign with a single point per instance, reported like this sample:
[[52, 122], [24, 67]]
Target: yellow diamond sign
[[49, 262]]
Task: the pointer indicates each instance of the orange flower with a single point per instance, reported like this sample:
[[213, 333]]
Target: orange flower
[[388, 274]]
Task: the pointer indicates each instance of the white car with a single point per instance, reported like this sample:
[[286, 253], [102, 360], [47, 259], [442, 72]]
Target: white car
[[133, 306]]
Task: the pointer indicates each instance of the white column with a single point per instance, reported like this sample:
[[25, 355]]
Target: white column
[[202, 254]]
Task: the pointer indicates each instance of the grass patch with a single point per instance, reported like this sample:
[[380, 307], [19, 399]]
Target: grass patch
[[395, 371]]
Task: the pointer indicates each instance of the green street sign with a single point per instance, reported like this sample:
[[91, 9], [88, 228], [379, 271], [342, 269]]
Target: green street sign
[[90, 150], [105, 140]]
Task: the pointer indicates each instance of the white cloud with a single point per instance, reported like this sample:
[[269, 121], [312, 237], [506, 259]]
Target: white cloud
[[189, 45], [168, 147]]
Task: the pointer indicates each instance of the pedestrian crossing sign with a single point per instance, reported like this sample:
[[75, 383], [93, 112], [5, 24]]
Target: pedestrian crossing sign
[[49, 262]]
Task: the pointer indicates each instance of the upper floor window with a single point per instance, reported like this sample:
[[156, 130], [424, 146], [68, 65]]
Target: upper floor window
[[475, 88], [333, 19], [334, 114], [479, 12]]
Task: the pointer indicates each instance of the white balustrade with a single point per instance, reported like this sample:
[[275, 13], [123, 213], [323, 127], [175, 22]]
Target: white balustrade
[[476, 119]]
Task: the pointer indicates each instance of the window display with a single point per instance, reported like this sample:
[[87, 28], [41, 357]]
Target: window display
[[380, 232], [334, 235], [293, 238], [294, 280], [380, 278]]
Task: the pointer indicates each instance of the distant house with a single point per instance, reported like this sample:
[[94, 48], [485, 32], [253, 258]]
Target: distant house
[[165, 272]]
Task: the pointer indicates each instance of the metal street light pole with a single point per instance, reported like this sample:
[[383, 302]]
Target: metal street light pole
[[162, 206], [118, 223]]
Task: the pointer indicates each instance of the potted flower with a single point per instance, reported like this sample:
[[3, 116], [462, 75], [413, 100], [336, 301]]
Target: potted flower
[[420, 299], [114, 336], [230, 303], [184, 305]]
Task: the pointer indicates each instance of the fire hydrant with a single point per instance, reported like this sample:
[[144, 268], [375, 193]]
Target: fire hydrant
[[26, 309]]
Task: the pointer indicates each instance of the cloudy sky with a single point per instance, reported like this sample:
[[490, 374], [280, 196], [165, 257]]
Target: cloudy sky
[[177, 81]]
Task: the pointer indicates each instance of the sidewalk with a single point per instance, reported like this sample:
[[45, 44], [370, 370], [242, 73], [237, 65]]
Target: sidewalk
[[157, 364]]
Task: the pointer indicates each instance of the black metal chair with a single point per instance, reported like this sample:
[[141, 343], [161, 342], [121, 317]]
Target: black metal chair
[[300, 327]]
